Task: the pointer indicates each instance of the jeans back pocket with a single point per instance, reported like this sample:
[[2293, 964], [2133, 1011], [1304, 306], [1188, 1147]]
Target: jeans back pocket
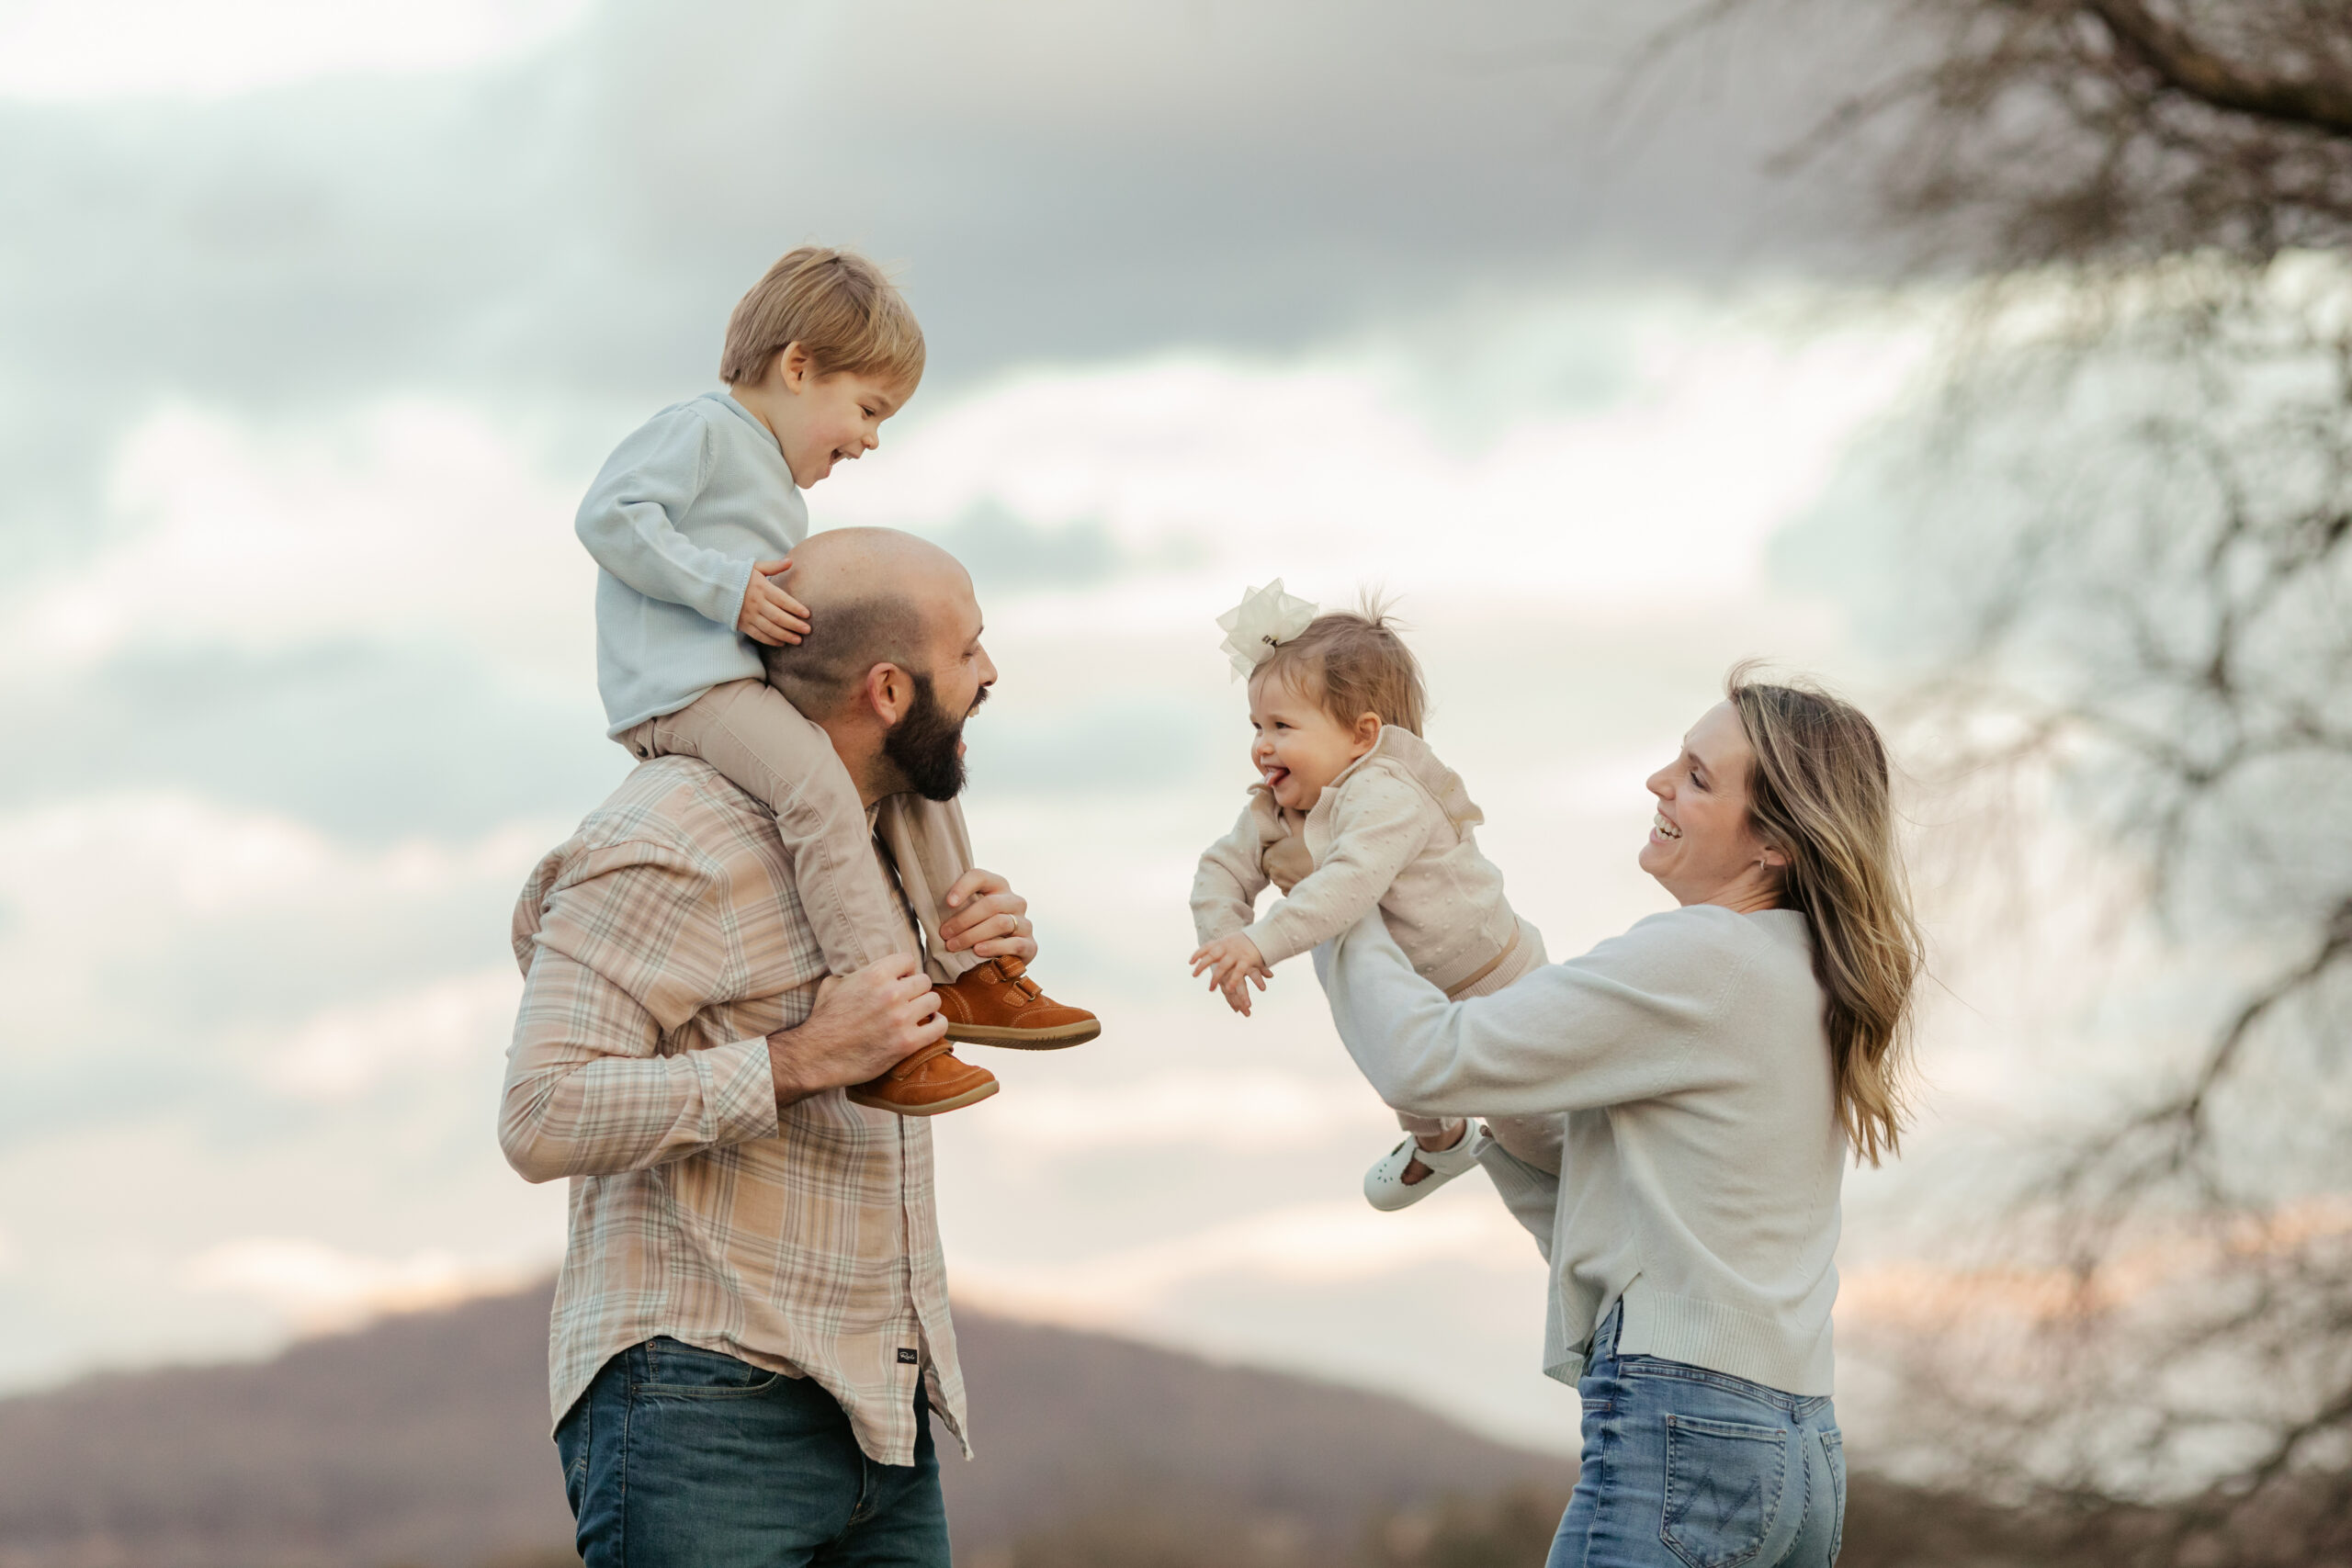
[[1833, 1449], [1724, 1480]]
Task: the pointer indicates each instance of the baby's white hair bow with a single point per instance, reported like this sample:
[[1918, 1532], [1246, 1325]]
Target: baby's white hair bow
[[1266, 618]]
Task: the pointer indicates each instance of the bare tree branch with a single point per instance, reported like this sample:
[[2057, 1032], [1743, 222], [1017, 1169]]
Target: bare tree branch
[[2190, 67]]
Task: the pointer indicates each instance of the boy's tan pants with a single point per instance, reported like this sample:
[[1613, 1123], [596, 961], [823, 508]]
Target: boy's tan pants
[[752, 734], [1535, 1139]]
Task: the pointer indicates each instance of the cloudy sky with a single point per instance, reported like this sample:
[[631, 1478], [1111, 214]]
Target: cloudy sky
[[317, 318]]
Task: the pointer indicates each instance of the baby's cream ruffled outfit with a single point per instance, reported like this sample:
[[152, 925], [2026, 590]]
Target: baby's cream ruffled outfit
[[1393, 832]]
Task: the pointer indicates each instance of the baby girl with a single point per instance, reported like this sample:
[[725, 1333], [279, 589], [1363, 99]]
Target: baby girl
[[1355, 812]]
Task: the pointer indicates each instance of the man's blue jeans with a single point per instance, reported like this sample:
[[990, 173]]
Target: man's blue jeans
[[1687, 1467], [682, 1457]]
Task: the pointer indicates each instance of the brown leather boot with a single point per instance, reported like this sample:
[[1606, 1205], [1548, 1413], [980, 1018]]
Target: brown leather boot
[[929, 1081], [997, 1004]]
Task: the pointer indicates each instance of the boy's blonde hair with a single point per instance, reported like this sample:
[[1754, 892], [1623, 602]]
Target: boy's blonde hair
[[836, 305], [1353, 663]]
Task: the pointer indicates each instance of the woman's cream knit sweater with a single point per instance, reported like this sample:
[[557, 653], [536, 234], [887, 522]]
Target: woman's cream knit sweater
[[1699, 1172]]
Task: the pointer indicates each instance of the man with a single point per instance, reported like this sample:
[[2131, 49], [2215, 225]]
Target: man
[[750, 1332]]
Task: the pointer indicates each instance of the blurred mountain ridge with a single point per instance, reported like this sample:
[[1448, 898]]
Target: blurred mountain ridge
[[421, 1441]]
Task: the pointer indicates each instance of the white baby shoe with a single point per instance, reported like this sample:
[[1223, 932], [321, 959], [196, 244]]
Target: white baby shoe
[[1384, 1184]]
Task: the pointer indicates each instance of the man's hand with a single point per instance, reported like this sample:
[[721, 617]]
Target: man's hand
[[1233, 964], [991, 919], [770, 614], [864, 1025]]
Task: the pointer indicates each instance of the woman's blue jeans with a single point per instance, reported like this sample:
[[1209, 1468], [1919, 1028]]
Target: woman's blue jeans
[[1687, 1467], [678, 1457]]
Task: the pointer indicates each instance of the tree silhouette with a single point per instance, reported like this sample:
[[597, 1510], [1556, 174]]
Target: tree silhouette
[[2131, 547]]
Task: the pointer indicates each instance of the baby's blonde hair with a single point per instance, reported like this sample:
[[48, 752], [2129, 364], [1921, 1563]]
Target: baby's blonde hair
[[835, 304], [1353, 663]]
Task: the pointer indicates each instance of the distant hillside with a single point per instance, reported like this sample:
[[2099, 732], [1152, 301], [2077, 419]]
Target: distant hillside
[[422, 1440]]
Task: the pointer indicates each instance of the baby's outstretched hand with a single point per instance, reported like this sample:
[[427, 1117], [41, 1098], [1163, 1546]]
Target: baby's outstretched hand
[[1233, 965], [770, 614], [1236, 993]]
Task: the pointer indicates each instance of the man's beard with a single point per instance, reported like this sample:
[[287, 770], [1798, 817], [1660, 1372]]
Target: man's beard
[[925, 745]]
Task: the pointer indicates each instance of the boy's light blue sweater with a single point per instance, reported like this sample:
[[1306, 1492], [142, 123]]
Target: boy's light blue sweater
[[676, 517]]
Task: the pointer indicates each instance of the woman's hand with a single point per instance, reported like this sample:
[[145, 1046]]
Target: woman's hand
[[991, 919], [1233, 964]]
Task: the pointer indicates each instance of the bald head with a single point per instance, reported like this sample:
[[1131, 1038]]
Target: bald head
[[875, 596]]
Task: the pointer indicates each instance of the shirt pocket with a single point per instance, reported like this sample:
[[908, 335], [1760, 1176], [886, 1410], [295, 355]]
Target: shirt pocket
[[1724, 1480]]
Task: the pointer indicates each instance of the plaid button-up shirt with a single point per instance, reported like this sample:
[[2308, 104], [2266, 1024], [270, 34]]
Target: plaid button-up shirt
[[661, 944]]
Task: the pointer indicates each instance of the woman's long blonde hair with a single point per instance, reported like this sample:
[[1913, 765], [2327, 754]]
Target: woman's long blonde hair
[[1821, 794]]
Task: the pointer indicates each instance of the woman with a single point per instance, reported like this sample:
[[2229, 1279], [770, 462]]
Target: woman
[[1711, 1068]]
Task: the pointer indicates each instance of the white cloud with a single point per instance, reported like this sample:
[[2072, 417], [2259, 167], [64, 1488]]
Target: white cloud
[[338, 1053], [176, 852], [181, 855], [1228, 1110], [1312, 1246], [1664, 492], [317, 1288], [69, 50], [109, 885], [430, 520], [409, 520]]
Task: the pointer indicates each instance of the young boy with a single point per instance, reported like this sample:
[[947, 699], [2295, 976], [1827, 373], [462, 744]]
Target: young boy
[[690, 519]]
